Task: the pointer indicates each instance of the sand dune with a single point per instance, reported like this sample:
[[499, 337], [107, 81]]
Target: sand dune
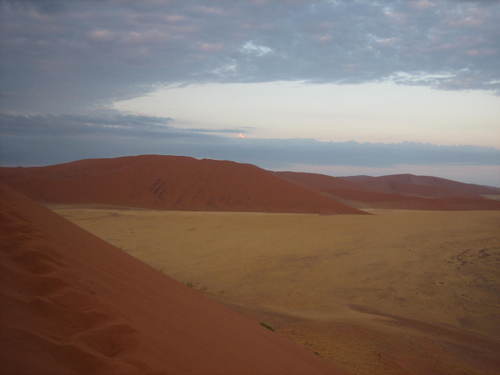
[[398, 191], [184, 183], [169, 182], [423, 186], [73, 304]]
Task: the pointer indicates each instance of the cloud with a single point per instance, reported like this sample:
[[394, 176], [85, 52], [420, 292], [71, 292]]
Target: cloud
[[101, 35], [111, 124], [423, 4], [237, 131], [29, 140], [68, 56], [250, 48], [210, 47], [209, 10], [483, 2]]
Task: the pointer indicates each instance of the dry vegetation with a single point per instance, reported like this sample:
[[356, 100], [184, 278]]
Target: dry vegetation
[[398, 292]]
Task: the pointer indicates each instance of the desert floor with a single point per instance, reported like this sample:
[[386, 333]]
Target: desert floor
[[397, 292]]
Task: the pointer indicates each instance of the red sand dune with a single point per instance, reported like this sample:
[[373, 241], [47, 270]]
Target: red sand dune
[[73, 304], [318, 182], [424, 186], [439, 194], [169, 182]]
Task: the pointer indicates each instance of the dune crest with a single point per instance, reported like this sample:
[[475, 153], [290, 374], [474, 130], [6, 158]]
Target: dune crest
[[422, 186], [169, 182], [73, 304], [398, 191]]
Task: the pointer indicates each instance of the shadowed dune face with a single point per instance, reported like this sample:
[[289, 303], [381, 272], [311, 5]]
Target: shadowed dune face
[[169, 182], [398, 191], [398, 292], [73, 304]]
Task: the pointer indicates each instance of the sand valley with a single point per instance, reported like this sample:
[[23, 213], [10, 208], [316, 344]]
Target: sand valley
[[396, 292]]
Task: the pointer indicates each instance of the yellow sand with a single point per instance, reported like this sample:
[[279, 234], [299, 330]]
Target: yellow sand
[[331, 282]]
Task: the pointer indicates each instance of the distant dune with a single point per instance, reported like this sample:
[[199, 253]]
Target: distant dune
[[421, 186], [169, 182], [73, 304], [184, 183], [398, 191]]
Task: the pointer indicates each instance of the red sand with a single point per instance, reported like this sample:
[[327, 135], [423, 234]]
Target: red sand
[[169, 182], [398, 191], [319, 182], [424, 186], [73, 304]]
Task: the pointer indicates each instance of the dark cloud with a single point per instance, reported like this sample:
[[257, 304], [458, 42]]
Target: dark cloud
[[35, 140], [43, 5], [73, 125], [242, 130], [107, 124], [61, 57], [480, 1]]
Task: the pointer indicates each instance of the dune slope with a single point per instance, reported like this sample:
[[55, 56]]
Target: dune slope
[[398, 191], [73, 304], [425, 186], [169, 182]]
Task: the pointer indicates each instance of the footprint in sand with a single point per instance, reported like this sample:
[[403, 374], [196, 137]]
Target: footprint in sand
[[48, 285], [109, 340], [72, 356], [37, 262]]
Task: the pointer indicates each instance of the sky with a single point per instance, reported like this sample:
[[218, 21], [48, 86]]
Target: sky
[[340, 87]]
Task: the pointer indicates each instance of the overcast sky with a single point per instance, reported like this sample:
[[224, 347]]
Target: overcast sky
[[332, 86]]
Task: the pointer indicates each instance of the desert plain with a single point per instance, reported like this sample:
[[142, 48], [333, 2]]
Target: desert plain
[[395, 292]]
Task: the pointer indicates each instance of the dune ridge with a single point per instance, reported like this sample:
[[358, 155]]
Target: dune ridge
[[169, 182], [422, 186], [73, 304], [398, 191]]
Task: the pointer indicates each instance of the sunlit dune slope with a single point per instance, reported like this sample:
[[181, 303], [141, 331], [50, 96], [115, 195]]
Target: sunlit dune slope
[[169, 182], [73, 304], [398, 191]]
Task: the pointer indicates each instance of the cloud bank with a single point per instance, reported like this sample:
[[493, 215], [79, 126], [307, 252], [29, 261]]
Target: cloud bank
[[38, 140], [74, 55]]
